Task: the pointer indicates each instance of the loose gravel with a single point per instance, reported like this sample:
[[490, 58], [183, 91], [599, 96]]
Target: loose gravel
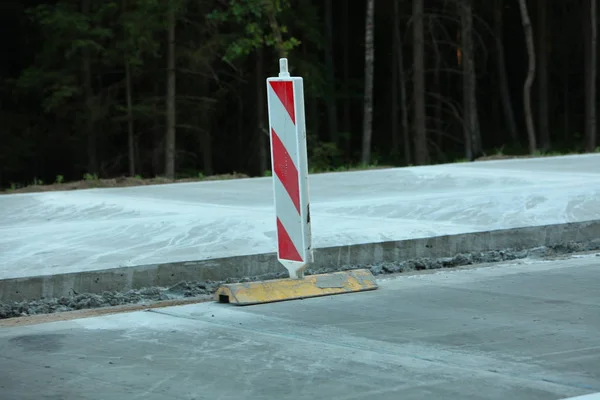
[[203, 289]]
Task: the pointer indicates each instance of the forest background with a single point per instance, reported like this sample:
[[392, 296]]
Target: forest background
[[157, 90]]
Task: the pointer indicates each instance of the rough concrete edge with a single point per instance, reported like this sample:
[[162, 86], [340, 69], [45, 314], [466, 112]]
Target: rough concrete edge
[[266, 266]]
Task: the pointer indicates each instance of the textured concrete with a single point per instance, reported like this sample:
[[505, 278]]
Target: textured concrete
[[591, 396], [430, 253], [529, 330], [62, 232]]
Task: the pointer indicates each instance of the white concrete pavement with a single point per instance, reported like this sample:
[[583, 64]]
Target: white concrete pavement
[[528, 330], [60, 232]]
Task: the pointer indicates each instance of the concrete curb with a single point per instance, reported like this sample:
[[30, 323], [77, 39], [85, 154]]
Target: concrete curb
[[266, 265]]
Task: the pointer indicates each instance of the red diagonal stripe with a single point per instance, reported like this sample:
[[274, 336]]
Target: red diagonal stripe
[[285, 169], [285, 91], [287, 249]]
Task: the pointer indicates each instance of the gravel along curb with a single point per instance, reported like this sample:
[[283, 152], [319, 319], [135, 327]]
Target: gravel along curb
[[204, 289], [387, 255]]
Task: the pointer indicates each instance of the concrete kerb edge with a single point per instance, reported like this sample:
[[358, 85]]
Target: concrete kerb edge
[[266, 266]]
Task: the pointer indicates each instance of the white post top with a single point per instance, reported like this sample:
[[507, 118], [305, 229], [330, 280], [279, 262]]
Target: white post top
[[283, 68]]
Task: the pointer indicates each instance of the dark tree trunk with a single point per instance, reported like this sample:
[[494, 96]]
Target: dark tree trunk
[[530, 75], [421, 149], [437, 87], [399, 51], [90, 129], [505, 99], [394, 104], [542, 31], [130, 132], [330, 70], [590, 74], [368, 99], [206, 138], [347, 120], [261, 99], [171, 117], [471, 119]]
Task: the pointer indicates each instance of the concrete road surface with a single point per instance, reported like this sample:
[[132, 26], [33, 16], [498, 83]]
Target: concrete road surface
[[64, 232], [527, 330]]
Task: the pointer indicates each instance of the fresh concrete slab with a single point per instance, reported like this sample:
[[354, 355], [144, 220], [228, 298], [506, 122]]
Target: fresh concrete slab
[[45, 234], [592, 396], [526, 330], [151, 282]]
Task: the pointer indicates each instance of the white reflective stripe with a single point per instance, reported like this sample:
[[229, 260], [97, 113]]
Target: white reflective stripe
[[289, 217], [281, 122], [303, 165]]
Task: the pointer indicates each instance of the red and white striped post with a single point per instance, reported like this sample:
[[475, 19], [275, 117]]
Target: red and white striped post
[[285, 96]]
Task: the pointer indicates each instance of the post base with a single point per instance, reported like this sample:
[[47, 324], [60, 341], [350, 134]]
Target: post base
[[248, 293]]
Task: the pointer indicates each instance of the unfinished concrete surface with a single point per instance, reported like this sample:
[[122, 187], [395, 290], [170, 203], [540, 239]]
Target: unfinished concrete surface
[[528, 330], [591, 396], [90, 289], [60, 232]]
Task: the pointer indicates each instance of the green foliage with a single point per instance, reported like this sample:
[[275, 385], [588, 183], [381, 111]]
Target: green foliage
[[324, 156], [250, 20], [90, 177], [540, 153], [112, 33], [344, 168], [66, 32], [47, 120], [137, 28]]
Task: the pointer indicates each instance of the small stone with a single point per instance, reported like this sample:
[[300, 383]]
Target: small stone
[[376, 269]]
